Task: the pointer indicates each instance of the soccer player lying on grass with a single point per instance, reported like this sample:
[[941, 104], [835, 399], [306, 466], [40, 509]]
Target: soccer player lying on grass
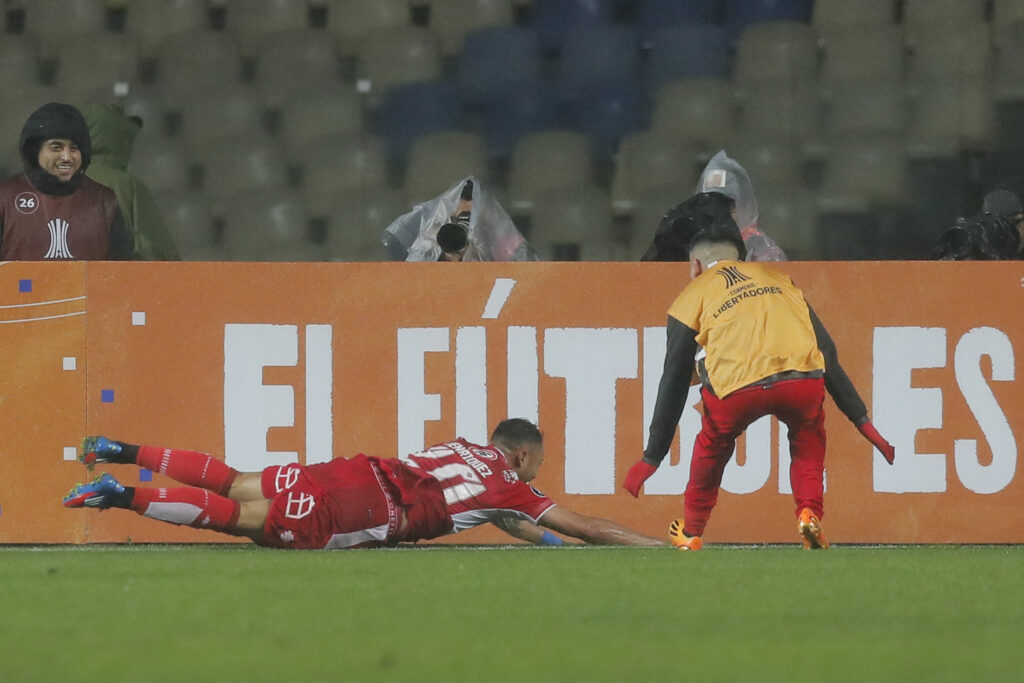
[[359, 502]]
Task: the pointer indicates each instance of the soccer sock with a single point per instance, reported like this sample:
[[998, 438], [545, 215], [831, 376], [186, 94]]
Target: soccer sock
[[188, 506], [188, 467]]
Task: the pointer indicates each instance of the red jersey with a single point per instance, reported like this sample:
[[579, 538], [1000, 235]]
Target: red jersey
[[478, 484], [84, 225]]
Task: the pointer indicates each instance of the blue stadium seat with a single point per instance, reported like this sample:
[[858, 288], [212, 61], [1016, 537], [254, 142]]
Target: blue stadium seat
[[496, 59], [554, 19], [517, 111], [597, 54], [739, 14], [688, 51], [415, 109], [607, 112], [653, 15]]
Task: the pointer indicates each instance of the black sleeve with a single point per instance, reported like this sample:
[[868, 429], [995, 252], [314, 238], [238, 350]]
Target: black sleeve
[[122, 244], [837, 382], [680, 348]]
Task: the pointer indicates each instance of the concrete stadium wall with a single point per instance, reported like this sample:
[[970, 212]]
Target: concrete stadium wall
[[265, 363]]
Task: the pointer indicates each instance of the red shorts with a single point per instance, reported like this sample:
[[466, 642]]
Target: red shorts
[[344, 503]]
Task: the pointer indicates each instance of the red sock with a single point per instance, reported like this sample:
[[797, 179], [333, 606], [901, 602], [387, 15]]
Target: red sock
[[188, 467], [187, 505]]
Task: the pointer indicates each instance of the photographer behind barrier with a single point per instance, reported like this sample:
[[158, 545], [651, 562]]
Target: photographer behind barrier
[[465, 223]]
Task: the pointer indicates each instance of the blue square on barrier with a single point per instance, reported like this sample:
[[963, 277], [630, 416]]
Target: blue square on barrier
[[145, 475], [24, 285], [107, 395]]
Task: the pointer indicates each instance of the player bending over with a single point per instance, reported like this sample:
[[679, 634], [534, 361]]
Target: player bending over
[[359, 502]]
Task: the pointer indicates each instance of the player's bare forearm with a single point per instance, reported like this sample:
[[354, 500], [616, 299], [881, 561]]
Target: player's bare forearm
[[594, 529]]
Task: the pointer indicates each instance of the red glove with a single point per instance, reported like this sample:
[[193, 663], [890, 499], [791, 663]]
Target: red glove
[[637, 475], [872, 435]]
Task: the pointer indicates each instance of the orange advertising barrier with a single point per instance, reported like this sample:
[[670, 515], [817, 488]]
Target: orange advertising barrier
[[264, 363]]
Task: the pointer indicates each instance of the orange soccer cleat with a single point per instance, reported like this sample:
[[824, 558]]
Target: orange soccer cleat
[[680, 540], [810, 530]]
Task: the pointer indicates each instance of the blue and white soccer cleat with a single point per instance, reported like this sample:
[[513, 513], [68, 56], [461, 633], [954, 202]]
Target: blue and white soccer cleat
[[96, 449], [99, 493]]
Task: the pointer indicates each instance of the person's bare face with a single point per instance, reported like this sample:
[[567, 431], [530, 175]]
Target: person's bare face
[[61, 158]]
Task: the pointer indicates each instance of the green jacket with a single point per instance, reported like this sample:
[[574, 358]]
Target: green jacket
[[113, 137]]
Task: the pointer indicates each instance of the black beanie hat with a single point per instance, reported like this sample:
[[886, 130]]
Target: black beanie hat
[[54, 121]]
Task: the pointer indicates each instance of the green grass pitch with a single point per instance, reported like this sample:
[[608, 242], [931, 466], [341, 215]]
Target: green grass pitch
[[450, 613]]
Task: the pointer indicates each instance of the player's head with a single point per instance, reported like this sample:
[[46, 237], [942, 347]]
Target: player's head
[[523, 445], [55, 121], [715, 242]]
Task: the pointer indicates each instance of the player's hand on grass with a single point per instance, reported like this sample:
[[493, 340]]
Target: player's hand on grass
[[883, 446], [637, 475]]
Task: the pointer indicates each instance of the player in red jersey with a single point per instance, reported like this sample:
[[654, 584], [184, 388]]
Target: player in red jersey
[[354, 502]]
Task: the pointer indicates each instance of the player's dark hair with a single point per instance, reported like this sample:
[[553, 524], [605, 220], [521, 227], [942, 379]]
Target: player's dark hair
[[515, 432], [721, 231]]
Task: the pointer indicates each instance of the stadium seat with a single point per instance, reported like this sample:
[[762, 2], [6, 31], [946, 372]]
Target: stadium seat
[[781, 109], [415, 109], [453, 19], [215, 113], [788, 215], [569, 218], [316, 114], [510, 114], [189, 63], [251, 22], [832, 16], [951, 52], [20, 62], [151, 22], [494, 60], [356, 220], [273, 226], [396, 56], [770, 161], [701, 111], [863, 54], [89, 63], [161, 164], [862, 171], [19, 102], [949, 118], [338, 163], [148, 104], [655, 15], [647, 161], [687, 51], [1007, 16], [739, 15], [547, 160], [922, 17], [235, 165], [294, 62], [50, 22], [1008, 66], [781, 51], [438, 160], [606, 112], [653, 203], [597, 54], [866, 105], [188, 216], [351, 20], [554, 19]]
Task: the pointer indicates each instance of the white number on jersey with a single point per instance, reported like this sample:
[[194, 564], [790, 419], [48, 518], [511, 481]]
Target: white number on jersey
[[469, 483]]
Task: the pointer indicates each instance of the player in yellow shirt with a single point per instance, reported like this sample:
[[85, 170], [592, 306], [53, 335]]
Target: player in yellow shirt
[[764, 353]]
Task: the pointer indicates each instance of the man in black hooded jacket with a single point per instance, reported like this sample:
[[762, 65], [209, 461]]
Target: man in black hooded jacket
[[52, 211]]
